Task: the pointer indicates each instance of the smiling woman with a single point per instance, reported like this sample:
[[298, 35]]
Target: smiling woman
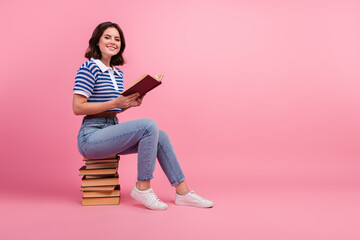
[[109, 43], [97, 94], [107, 35]]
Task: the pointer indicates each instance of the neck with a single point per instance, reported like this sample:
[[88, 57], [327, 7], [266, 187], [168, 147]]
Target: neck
[[106, 60]]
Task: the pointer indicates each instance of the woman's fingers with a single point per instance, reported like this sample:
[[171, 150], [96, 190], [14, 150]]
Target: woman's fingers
[[129, 101], [133, 96]]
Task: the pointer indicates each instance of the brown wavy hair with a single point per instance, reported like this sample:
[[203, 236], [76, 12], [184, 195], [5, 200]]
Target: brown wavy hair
[[93, 51]]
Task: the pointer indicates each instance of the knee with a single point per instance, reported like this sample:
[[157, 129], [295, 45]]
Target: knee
[[150, 125], [163, 136]]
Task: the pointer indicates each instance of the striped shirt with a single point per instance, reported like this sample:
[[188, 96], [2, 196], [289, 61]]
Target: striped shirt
[[98, 82]]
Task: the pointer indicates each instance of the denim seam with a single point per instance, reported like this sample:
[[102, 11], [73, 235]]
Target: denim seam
[[147, 158]]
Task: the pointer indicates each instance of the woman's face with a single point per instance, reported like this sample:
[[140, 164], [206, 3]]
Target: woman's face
[[110, 42]]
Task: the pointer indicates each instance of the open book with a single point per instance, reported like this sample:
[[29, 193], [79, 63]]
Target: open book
[[143, 85]]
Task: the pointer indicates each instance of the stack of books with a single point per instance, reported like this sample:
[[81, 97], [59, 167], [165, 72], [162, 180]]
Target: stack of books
[[100, 182]]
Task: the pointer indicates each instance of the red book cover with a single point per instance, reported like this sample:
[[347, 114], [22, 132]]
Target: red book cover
[[145, 84]]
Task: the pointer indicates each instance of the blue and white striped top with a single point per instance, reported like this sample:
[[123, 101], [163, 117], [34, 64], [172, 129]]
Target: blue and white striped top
[[98, 82]]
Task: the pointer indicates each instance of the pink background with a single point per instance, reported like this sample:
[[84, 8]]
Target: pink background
[[260, 98]]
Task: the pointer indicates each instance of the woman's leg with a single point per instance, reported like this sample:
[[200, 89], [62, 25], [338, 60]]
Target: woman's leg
[[141, 134], [124, 138], [182, 188], [168, 162], [171, 167]]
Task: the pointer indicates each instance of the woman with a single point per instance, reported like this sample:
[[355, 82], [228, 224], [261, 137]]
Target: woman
[[97, 94]]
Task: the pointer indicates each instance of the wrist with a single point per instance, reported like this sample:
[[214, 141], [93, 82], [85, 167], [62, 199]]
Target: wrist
[[112, 104]]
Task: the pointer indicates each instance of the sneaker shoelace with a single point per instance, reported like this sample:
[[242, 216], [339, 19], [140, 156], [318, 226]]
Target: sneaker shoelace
[[154, 196], [193, 194]]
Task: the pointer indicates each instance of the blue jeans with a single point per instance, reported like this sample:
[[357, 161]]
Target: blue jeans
[[102, 137]]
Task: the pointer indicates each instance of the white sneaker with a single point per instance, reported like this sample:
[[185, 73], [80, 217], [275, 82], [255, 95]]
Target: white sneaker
[[148, 198], [192, 199]]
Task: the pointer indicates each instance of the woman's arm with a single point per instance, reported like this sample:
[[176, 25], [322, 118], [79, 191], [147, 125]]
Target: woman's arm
[[82, 107]]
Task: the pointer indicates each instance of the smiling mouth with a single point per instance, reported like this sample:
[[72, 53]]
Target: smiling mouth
[[111, 48]]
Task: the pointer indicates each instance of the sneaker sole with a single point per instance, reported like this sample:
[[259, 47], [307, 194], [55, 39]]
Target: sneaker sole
[[192, 205]]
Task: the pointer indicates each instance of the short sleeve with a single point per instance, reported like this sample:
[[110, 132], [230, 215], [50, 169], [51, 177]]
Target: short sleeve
[[84, 82]]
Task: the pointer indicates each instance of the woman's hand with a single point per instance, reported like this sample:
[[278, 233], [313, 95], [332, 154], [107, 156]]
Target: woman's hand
[[137, 102], [132, 100]]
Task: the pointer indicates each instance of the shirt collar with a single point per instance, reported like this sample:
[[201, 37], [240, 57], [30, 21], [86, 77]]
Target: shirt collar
[[104, 68]]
